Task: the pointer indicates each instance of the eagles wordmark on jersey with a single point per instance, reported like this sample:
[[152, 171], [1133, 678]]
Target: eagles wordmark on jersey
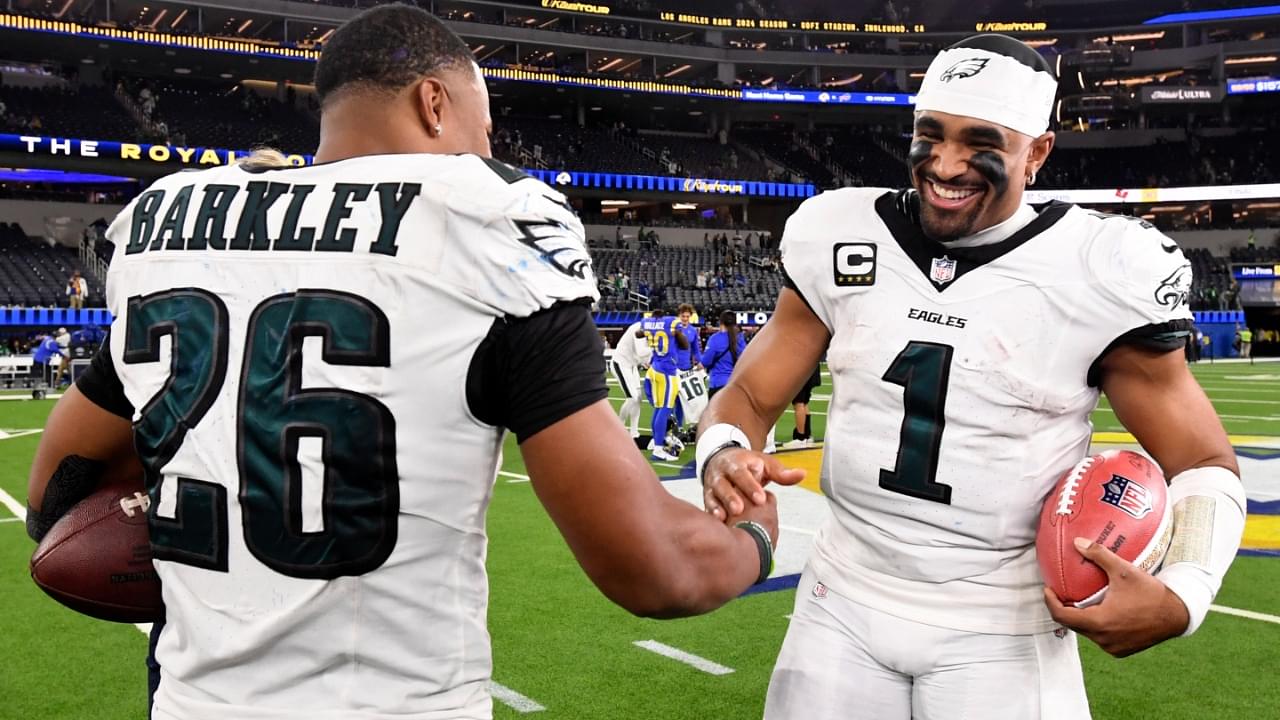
[[319, 471], [963, 382]]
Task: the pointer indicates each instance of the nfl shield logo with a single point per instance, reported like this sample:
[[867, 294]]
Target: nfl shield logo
[[1127, 495], [943, 270]]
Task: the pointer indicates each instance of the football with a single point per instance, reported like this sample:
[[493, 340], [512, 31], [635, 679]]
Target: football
[[96, 559], [1118, 499]]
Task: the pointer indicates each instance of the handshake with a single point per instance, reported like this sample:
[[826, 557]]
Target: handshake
[[733, 478]]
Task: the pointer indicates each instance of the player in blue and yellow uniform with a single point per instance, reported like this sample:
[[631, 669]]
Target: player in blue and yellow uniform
[[663, 377], [686, 357]]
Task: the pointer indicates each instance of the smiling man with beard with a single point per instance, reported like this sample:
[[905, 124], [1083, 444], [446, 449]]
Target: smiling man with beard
[[968, 335]]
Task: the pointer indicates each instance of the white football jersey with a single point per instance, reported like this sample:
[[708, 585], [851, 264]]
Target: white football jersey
[[694, 385], [963, 380], [632, 351], [297, 342]]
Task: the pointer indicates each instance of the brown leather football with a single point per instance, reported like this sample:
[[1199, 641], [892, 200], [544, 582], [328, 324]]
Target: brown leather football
[[96, 559]]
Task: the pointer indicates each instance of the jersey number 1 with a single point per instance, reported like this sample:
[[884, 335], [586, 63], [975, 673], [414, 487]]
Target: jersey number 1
[[360, 495], [922, 369]]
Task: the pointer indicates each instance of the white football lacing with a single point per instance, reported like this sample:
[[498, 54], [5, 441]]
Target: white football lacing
[[1068, 495]]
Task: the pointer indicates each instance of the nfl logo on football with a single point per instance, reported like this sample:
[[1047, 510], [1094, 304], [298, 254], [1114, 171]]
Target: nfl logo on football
[[1127, 495], [943, 270]]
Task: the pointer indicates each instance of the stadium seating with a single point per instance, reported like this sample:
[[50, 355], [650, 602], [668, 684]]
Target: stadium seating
[[73, 111], [33, 273], [1213, 287], [230, 116], [565, 145], [670, 274]]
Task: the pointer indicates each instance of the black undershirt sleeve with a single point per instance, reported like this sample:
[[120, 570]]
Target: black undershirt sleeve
[[789, 283], [1159, 337], [100, 383], [530, 373]]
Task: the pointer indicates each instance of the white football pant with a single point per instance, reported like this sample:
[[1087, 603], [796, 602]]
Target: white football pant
[[629, 380], [845, 661]]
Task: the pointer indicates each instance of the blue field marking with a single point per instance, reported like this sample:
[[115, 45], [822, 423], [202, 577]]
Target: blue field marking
[[687, 472], [1258, 453], [773, 584], [1271, 507]]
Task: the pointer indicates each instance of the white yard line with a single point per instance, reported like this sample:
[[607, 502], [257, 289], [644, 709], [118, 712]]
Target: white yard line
[[10, 520], [1226, 417], [673, 466], [27, 396], [10, 434], [1245, 614], [513, 699], [14, 506], [701, 663], [514, 477]]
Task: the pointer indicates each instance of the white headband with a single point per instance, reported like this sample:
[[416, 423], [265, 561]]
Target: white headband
[[989, 86]]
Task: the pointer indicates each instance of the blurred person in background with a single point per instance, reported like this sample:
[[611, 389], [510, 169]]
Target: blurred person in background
[[723, 350]]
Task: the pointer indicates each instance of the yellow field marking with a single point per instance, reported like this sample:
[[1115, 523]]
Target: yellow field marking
[[1124, 438], [1261, 532], [808, 460]]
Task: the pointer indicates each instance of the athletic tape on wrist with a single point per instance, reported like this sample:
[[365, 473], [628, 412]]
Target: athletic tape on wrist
[[1208, 521], [764, 545], [714, 439]]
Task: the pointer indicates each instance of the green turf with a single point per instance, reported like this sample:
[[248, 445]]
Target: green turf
[[558, 641], [57, 663]]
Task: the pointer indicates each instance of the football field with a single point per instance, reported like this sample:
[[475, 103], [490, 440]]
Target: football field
[[561, 651]]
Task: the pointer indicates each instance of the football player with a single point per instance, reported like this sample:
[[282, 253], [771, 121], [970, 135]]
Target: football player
[[968, 335], [631, 354], [692, 399], [663, 379], [318, 467]]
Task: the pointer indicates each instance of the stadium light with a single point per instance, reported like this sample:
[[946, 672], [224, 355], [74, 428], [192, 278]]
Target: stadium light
[[1132, 37], [1250, 60], [846, 81]]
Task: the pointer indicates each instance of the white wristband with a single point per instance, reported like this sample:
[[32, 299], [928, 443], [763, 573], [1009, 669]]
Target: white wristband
[[1208, 521], [717, 438]]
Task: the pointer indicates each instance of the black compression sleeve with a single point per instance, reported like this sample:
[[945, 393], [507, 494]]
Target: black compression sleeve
[[100, 383], [530, 373], [788, 282], [1159, 337]]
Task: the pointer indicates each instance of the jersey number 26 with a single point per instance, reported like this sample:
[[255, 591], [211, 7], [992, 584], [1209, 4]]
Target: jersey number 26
[[360, 488]]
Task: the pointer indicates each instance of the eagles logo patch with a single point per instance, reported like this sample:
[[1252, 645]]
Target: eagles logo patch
[[1175, 289], [966, 68], [555, 245]]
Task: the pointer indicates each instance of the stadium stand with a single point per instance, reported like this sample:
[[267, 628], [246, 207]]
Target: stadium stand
[[34, 274], [1213, 287], [740, 279], [223, 115], [70, 110]]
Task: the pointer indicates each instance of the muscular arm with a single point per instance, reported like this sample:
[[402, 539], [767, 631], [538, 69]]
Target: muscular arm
[[646, 550], [103, 444], [774, 367], [1157, 399], [543, 378], [768, 375]]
